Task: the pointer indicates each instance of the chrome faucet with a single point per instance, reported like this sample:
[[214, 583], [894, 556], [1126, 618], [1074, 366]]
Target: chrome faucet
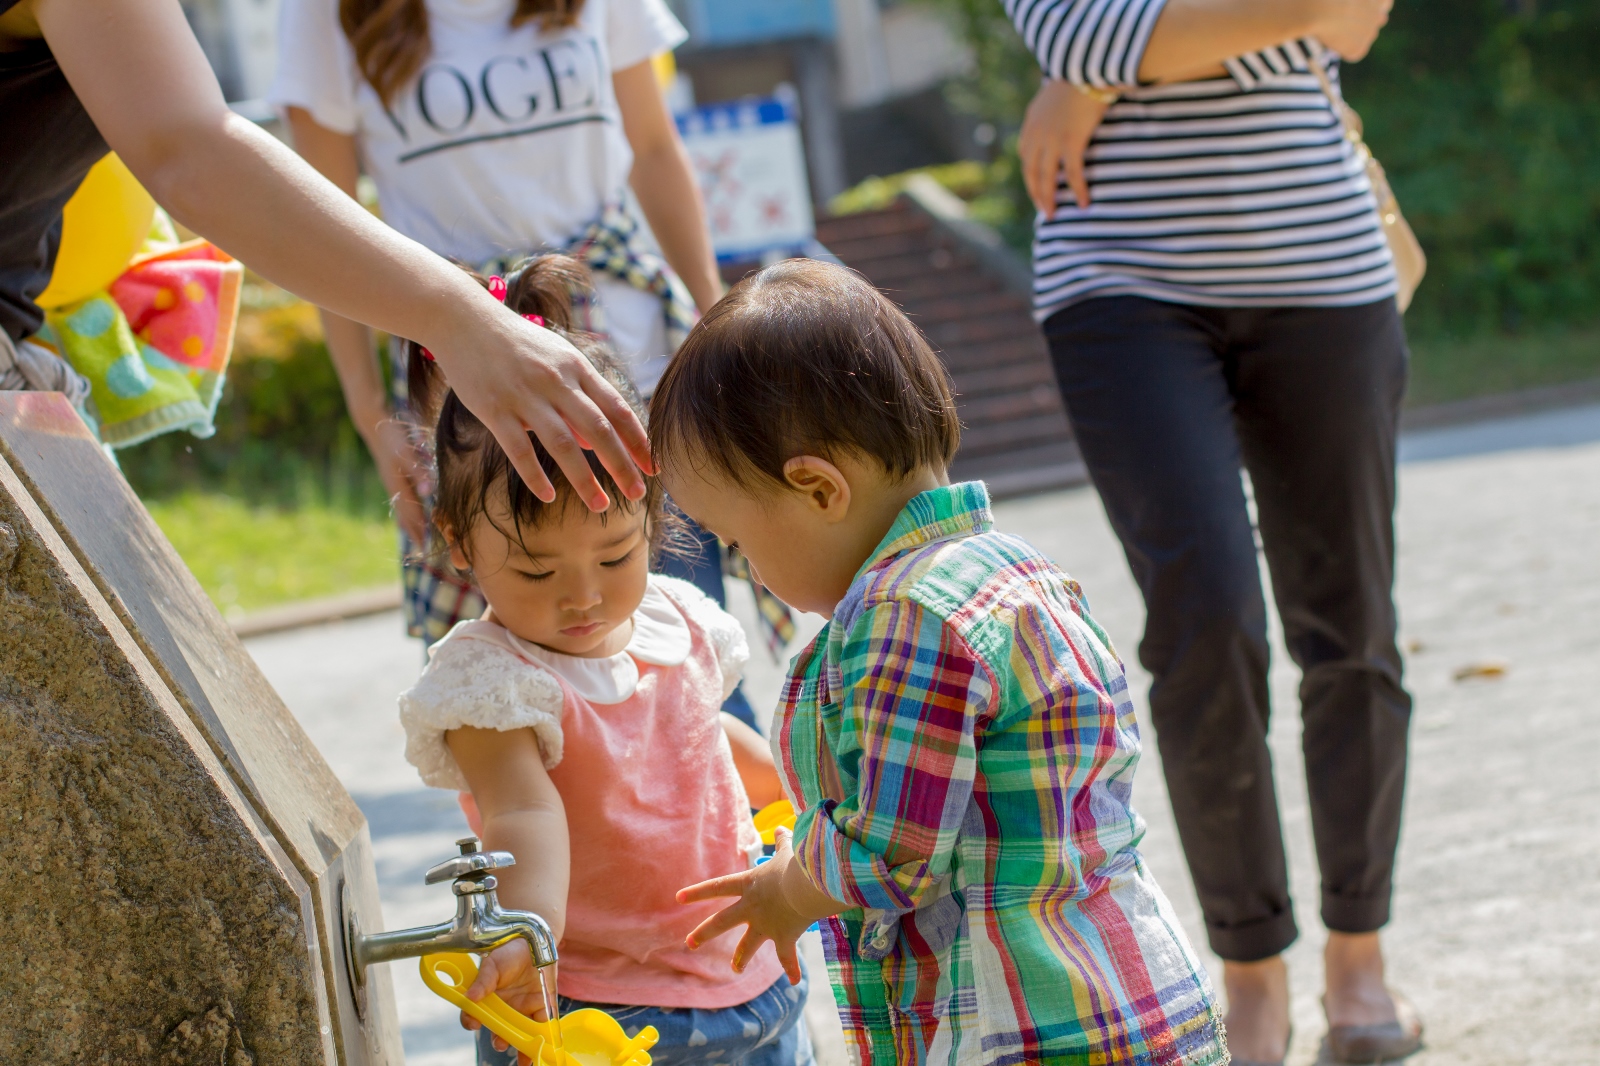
[[480, 922]]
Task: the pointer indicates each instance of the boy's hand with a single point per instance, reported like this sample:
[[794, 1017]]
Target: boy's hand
[[762, 906]]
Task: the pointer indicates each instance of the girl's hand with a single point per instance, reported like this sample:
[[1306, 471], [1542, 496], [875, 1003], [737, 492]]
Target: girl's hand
[[508, 971], [762, 906], [1056, 131]]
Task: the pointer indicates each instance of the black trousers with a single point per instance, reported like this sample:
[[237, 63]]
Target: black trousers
[[1168, 402]]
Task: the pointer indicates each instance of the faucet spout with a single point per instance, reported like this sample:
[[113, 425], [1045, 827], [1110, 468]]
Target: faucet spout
[[480, 923]]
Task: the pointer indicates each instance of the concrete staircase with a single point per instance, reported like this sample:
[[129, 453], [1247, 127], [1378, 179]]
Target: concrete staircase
[[962, 289]]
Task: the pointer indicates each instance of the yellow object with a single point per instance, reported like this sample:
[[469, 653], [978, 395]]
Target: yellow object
[[769, 818], [589, 1037], [105, 223], [666, 68]]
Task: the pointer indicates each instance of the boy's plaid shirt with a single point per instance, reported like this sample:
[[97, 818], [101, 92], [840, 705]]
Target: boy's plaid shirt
[[960, 741]]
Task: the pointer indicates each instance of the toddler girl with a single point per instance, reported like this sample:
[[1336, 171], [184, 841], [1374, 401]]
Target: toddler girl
[[581, 713]]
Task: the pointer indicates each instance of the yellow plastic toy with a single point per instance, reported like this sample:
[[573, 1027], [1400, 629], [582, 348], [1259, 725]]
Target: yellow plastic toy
[[588, 1037], [104, 224], [769, 818]]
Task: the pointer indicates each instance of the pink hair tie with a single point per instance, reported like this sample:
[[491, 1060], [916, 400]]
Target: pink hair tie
[[497, 289]]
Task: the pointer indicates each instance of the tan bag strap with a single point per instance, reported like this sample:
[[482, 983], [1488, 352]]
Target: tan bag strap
[[1348, 119]]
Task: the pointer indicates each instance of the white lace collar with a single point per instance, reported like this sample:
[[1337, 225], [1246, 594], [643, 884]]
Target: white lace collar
[[660, 636]]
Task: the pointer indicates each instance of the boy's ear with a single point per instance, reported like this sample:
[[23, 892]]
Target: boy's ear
[[825, 487]]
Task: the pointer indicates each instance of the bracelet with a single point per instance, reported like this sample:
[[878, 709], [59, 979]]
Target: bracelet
[[1104, 96]]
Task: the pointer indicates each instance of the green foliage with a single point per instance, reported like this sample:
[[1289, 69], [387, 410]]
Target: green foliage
[[250, 557], [1485, 113]]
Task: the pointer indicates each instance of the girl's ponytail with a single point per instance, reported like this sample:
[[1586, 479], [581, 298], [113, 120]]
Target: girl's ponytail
[[541, 286], [544, 286]]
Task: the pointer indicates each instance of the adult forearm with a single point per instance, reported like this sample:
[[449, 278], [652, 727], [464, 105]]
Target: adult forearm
[[302, 232], [350, 348], [672, 204], [1193, 37]]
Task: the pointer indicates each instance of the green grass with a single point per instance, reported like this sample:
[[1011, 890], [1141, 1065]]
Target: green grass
[[1446, 370], [249, 557]]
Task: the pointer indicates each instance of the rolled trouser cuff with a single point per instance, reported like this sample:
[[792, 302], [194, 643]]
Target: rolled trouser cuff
[[1355, 914], [1253, 941]]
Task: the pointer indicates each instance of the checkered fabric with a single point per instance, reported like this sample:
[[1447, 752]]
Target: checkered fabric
[[614, 245], [960, 740]]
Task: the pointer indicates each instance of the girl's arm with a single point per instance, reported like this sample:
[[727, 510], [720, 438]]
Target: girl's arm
[[522, 813], [350, 344], [663, 180], [752, 757], [140, 74]]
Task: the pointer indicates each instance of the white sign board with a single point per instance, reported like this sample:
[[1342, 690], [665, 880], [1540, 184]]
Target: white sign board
[[752, 170]]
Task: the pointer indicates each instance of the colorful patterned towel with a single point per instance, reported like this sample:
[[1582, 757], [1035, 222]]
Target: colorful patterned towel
[[155, 345]]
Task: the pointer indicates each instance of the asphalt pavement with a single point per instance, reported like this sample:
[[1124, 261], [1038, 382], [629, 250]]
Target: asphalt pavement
[[1496, 930]]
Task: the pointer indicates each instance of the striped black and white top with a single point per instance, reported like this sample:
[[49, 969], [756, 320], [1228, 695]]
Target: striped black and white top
[[1229, 191]]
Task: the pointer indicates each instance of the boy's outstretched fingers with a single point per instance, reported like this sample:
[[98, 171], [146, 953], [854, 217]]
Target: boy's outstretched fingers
[[730, 917], [716, 888]]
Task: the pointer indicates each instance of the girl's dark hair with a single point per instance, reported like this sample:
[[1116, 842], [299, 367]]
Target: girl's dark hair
[[391, 42], [804, 358], [473, 471]]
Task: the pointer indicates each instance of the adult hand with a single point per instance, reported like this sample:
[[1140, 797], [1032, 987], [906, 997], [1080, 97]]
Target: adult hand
[[1349, 27], [1056, 129], [404, 471], [519, 378], [508, 972], [761, 906]]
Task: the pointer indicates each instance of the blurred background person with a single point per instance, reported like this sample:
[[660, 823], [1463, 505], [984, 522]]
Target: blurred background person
[[492, 130], [1217, 293]]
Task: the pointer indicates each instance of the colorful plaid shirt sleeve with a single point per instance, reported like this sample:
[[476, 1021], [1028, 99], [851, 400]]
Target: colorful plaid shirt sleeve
[[909, 699]]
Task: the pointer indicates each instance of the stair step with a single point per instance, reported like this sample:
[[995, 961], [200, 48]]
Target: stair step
[[973, 383], [1016, 436]]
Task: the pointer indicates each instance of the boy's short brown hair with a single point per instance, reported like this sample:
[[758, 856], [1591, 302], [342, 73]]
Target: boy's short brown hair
[[804, 358]]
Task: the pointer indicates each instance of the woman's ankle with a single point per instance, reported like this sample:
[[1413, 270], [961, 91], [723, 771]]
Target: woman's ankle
[[1353, 976], [1258, 1009]]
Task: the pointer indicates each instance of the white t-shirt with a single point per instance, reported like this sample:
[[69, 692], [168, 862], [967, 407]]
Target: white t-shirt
[[506, 140]]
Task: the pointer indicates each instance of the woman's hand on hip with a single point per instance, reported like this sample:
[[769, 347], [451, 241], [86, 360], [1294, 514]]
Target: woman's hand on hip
[[1056, 131]]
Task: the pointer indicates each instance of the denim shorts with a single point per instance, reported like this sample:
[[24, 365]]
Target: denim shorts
[[767, 1031]]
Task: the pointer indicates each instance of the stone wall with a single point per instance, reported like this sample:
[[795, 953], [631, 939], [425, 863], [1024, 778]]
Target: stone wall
[[148, 920]]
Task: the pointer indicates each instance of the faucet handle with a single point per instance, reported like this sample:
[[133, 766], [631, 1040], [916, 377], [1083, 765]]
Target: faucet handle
[[470, 861]]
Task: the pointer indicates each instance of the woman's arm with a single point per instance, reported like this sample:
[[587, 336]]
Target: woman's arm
[[522, 813], [663, 180], [752, 757], [350, 344], [140, 74], [1193, 37]]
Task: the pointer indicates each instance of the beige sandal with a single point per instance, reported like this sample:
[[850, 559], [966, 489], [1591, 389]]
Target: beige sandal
[[1378, 1043]]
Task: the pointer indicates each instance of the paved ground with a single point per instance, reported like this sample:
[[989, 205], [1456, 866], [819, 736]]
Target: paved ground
[[1497, 917]]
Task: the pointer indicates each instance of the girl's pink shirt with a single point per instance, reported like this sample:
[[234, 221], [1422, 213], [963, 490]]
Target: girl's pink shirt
[[654, 804]]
